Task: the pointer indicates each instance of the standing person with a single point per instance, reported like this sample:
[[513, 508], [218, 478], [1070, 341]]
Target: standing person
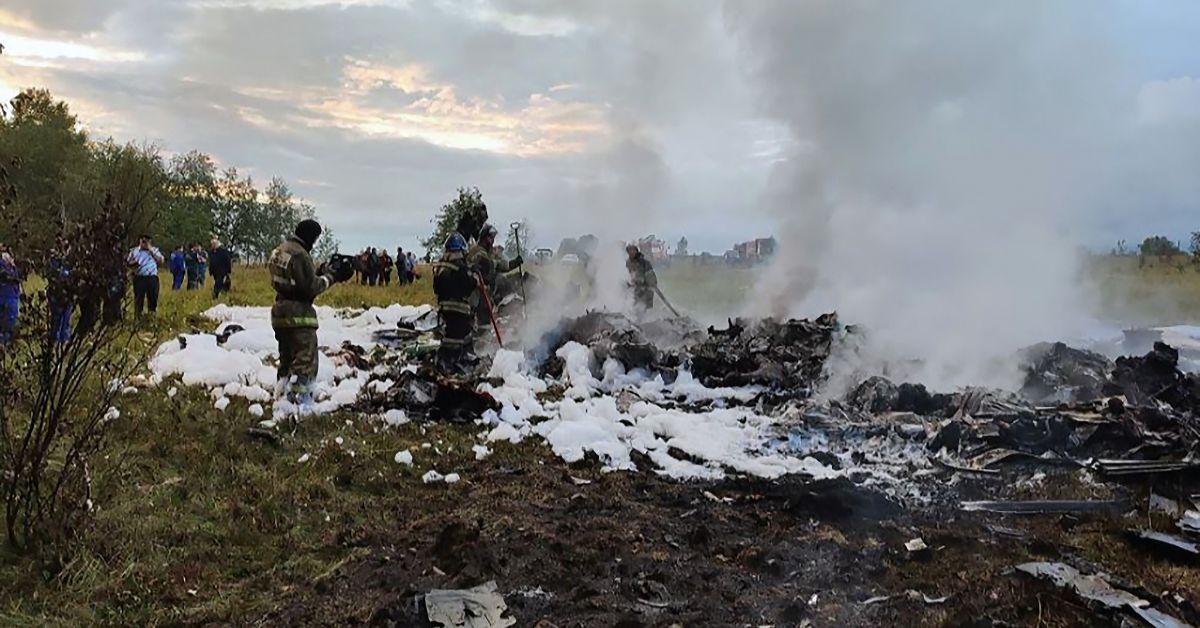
[[410, 267], [454, 283], [385, 268], [483, 260], [58, 293], [642, 279], [220, 264], [372, 267], [144, 260], [201, 266], [112, 310], [10, 295], [401, 267], [297, 284], [178, 268], [192, 265]]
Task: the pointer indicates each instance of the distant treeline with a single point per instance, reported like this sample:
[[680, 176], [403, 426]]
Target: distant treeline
[[56, 173]]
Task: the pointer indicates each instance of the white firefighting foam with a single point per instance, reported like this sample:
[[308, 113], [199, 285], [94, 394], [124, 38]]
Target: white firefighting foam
[[608, 412]]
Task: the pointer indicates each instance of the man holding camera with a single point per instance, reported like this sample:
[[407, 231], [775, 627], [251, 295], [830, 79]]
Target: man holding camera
[[298, 282], [144, 261]]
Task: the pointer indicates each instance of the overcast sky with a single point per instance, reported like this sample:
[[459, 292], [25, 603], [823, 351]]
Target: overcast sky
[[626, 118]]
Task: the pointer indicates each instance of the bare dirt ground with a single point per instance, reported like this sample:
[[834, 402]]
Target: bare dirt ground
[[569, 546]]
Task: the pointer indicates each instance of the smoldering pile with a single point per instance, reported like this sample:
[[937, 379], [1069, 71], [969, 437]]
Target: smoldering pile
[[783, 356], [1075, 407]]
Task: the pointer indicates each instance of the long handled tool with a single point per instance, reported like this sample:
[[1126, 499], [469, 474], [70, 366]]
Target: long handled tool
[[665, 301], [487, 301], [516, 227]]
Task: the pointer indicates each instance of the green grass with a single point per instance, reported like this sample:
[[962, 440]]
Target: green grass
[[197, 522], [707, 291], [1159, 293]]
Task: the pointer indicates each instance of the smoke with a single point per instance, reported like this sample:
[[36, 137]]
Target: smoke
[[944, 156]]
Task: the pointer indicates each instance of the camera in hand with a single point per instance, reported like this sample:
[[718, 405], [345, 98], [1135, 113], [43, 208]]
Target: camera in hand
[[341, 267]]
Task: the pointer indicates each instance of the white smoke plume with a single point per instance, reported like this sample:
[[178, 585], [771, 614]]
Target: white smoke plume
[[947, 159]]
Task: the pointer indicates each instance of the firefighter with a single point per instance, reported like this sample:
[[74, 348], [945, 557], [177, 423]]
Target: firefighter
[[642, 279], [454, 283], [297, 284], [484, 261]]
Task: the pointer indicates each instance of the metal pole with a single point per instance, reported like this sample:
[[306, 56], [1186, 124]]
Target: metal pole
[[516, 227], [666, 302]]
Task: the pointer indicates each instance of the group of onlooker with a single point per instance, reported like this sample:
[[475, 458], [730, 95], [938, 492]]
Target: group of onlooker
[[193, 265], [143, 262], [375, 267]]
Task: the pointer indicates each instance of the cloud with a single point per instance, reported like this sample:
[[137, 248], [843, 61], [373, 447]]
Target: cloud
[[433, 111], [37, 51], [1170, 101], [625, 115]]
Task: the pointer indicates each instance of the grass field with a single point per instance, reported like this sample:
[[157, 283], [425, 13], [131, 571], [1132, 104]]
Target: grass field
[[196, 522], [1160, 293]]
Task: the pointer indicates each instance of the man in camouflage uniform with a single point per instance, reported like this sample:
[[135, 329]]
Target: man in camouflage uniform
[[641, 278], [297, 284], [484, 261], [455, 284]]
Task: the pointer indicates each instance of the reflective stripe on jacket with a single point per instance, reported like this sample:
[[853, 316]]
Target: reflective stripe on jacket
[[454, 284], [297, 285]]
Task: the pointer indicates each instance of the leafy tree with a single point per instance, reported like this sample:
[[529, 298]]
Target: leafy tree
[[235, 212], [56, 174], [43, 137], [522, 233], [276, 217], [326, 246], [126, 176], [1158, 246], [192, 199], [447, 217]]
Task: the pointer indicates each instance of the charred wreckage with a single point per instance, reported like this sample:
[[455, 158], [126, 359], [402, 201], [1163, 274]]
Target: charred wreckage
[[1123, 435]]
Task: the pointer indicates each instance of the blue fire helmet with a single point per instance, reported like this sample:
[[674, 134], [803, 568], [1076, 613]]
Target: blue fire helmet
[[456, 243]]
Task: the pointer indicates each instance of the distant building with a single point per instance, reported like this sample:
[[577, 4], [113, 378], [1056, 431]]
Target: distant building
[[654, 249], [752, 252]]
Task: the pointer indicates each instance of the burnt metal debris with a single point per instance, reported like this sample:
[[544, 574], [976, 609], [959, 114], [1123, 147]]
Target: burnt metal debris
[[776, 354], [1109, 432]]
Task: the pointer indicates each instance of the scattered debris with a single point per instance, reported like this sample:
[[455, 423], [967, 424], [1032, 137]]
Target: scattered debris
[[1097, 588], [478, 607], [1045, 507], [918, 596], [1168, 543], [788, 355], [263, 434], [1058, 374], [1145, 467], [916, 545], [1190, 522], [432, 476]]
